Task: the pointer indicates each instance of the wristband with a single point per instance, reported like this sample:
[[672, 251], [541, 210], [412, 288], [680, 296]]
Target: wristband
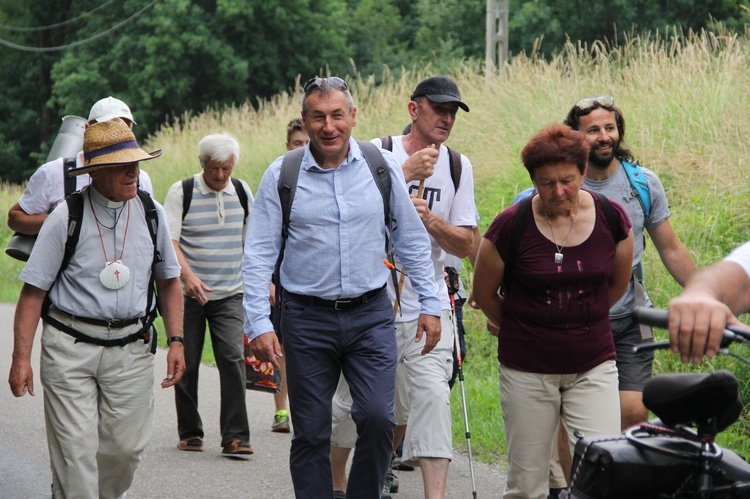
[[178, 339]]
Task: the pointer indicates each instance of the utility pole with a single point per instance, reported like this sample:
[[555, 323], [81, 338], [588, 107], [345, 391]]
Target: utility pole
[[496, 53]]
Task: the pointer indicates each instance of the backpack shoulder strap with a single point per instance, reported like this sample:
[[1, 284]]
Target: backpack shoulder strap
[[610, 215], [152, 221], [379, 171], [454, 158], [187, 194], [519, 224], [387, 143], [70, 181], [241, 194], [75, 218], [639, 184], [287, 186]]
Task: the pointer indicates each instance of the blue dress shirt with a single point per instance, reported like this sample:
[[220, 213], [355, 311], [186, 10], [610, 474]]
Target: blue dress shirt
[[336, 243]]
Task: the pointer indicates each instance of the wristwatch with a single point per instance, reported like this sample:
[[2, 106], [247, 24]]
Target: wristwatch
[[178, 339]]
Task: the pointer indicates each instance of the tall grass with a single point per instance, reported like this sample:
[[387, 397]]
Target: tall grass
[[686, 100]]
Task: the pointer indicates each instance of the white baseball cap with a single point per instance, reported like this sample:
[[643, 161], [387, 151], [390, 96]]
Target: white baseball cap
[[109, 108]]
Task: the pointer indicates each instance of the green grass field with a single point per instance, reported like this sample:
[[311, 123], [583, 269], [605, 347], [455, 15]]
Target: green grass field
[[686, 103]]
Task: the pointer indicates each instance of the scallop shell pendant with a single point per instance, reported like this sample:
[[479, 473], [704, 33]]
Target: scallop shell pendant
[[114, 275]]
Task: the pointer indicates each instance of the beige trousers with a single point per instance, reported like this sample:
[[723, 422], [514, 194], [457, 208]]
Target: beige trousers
[[98, 407], [532, 406]]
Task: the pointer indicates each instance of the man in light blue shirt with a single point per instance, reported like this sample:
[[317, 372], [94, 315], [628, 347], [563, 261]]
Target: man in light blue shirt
[[335, 312]]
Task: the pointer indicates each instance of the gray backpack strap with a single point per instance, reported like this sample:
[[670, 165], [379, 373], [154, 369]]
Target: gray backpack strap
[[382, 176], [286, 186], [387, 143]]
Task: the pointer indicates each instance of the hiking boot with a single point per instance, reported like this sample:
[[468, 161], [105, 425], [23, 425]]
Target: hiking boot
[[237, 448], [280, 422], [194, 444], [339, 494]]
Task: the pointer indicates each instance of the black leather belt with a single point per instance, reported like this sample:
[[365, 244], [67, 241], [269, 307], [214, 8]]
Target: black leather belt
[[341, 303], [110, 324]]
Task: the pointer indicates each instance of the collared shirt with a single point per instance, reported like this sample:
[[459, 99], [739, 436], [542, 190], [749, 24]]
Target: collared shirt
[[46, 187], [336, 242], [211, 235], [79, 290]]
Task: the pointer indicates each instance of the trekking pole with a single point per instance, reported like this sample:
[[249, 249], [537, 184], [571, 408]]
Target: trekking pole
[[403, 275], [457, 346]]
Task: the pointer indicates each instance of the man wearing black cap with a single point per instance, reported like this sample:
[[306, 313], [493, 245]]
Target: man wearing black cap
[[446, 208]]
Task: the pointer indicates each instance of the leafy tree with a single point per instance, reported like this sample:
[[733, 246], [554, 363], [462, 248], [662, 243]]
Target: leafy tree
[[450, 30], [589, 21], [377, 35], [167, 61], [285, 38]]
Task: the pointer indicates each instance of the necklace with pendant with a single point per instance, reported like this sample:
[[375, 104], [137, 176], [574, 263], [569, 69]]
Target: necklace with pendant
[[115, 274], [559, 254]]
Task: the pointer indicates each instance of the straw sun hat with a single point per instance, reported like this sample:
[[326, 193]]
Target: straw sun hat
[[110, 143]]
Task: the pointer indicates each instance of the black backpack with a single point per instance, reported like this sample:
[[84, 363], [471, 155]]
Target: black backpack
[[75, 218], [287, 186], [187, 195]]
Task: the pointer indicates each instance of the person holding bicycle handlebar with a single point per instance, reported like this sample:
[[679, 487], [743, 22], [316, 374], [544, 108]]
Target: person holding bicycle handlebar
[[709, 302]]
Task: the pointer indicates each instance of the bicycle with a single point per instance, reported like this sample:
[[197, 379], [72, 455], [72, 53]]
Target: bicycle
[[675, 455]]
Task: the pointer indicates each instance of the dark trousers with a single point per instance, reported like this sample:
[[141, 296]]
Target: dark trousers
[[225, 320], [320, 343]]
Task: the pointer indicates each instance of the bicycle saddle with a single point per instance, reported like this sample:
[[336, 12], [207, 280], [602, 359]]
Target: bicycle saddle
[[687, 399]]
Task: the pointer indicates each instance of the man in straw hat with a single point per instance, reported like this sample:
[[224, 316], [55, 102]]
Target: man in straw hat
[[47, 186], [96, 364]]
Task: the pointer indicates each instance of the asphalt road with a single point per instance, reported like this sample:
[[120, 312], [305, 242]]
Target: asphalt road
[[169, 473]]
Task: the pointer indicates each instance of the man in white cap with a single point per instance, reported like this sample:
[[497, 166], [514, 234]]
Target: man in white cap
[[46, 187], [97, 366]]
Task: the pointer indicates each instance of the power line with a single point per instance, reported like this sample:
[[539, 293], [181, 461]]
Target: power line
[[80, 42], [56, 25]]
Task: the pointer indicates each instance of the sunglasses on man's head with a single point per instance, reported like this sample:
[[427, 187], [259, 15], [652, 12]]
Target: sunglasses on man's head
[[588, 103], [317, 82]]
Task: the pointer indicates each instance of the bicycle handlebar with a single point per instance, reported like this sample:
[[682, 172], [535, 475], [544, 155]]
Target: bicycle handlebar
[[656, 317]]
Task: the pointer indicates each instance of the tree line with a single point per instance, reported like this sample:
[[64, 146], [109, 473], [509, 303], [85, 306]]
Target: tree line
[[166, 58]]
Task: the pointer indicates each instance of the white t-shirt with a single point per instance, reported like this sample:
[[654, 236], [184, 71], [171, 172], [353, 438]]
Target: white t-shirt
[[741, 256], [455, 207], [46, 187]]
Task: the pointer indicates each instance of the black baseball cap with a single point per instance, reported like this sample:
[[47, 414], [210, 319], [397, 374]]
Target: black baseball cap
[[439, 89]]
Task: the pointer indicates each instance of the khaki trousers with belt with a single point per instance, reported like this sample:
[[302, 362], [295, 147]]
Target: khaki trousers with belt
[[98, 407]]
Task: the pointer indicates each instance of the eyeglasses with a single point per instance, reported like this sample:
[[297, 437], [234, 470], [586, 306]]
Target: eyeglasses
[[588, 103], [317, 82]]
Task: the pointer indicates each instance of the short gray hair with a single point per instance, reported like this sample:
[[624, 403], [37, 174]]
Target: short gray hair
[[325, 88], [219, 147]]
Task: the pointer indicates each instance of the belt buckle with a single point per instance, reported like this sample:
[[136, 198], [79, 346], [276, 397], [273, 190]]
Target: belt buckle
[[342, 302], [111, 323]]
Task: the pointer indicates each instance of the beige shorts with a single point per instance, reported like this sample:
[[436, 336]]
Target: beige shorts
[[422, 396]]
